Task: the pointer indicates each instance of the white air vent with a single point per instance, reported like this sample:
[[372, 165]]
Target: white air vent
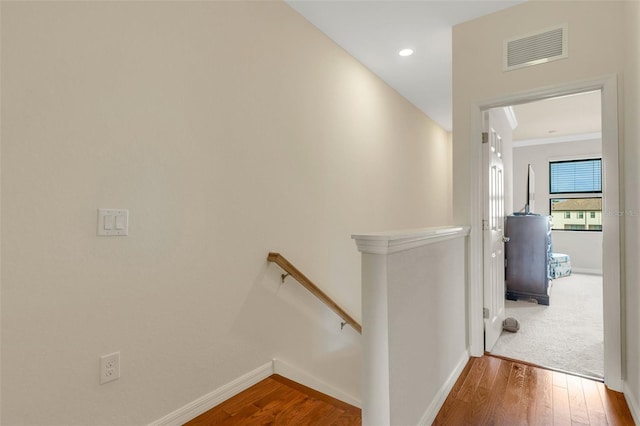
[[536, 48]]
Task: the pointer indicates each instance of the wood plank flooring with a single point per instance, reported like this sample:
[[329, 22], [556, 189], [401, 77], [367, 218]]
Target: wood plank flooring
[[280, 401], [495, 391], [490, 391]]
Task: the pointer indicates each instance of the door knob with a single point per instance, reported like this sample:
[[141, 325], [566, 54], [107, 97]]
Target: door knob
[[505, 239]]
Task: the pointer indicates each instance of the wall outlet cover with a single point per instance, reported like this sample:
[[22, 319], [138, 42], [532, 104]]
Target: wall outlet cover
[[109, 367]]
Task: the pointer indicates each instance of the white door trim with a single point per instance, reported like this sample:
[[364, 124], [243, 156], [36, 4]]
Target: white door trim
[[612, 220]]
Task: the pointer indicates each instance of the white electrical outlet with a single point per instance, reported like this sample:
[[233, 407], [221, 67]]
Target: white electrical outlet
[[109, 367]]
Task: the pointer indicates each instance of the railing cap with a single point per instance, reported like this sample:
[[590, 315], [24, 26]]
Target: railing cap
[[395, 241]]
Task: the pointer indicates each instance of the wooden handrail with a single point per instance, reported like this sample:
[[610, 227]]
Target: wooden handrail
[[279, 260]]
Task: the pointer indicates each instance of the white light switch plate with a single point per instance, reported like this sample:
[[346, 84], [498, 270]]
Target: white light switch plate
[[113, 222]]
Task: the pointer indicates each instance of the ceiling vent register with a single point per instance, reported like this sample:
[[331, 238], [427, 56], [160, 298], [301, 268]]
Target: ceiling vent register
[[536, 48]]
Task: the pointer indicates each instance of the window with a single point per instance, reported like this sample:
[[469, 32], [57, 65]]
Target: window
[[576, 176], [569, 181], [569, 214]]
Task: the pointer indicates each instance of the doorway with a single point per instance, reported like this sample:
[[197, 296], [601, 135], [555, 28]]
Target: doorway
[[610, 219], [561, 140]]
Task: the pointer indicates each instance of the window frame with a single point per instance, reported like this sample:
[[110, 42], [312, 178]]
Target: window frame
[[569, 197]]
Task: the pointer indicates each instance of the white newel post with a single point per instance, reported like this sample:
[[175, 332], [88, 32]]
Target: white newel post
[[389, 261]]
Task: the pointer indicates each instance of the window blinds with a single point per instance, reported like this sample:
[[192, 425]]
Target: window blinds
[[575, 176]]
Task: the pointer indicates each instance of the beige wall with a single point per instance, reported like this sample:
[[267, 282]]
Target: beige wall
[[598, 33], [596, 40], [227, 129]]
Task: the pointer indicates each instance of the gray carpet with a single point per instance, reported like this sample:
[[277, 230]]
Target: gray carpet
[[566, 335]]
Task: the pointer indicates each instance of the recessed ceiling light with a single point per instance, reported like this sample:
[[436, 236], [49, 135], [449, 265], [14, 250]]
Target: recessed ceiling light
[[406, 52]]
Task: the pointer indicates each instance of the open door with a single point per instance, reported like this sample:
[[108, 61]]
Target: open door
[[493, 230]]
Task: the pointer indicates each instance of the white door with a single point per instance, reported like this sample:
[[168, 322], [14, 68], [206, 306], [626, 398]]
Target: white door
[[493, 232]]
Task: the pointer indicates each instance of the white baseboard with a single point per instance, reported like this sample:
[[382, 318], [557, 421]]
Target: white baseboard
[[293, 373], [436, 403], [224, 392], [210, 400], [632, 402], [587, 271]]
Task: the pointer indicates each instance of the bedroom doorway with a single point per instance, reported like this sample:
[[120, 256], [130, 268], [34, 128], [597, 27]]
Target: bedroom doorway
[[568, 334], [610, 219]]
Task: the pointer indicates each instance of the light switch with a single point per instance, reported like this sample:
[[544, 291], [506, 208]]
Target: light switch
[[113, 222], [108, 222], [121, 222]]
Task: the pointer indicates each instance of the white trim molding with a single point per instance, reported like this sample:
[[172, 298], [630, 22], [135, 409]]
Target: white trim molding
[[244, 382], [586, 271], [287, 370], [632, 402], [210, 400], [558, 139], [511, 117], [436, 403]]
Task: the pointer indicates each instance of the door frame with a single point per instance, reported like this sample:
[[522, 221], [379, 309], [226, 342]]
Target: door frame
[[613, 221]]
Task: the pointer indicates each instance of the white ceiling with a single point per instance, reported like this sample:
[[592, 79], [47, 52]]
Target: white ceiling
[[557, 118], [375, 31]]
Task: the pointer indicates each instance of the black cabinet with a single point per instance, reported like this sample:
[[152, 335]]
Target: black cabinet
[[527, 256]]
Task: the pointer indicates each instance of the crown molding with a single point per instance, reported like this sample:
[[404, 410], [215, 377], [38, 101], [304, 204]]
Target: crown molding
[[511, 117], [557, 139]]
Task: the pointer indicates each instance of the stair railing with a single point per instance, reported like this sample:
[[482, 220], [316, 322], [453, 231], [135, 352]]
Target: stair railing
[[292, 271]]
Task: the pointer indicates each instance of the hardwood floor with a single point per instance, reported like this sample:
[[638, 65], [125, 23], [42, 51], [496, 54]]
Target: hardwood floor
[[495, 391], [280, 401], [490, 391]]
